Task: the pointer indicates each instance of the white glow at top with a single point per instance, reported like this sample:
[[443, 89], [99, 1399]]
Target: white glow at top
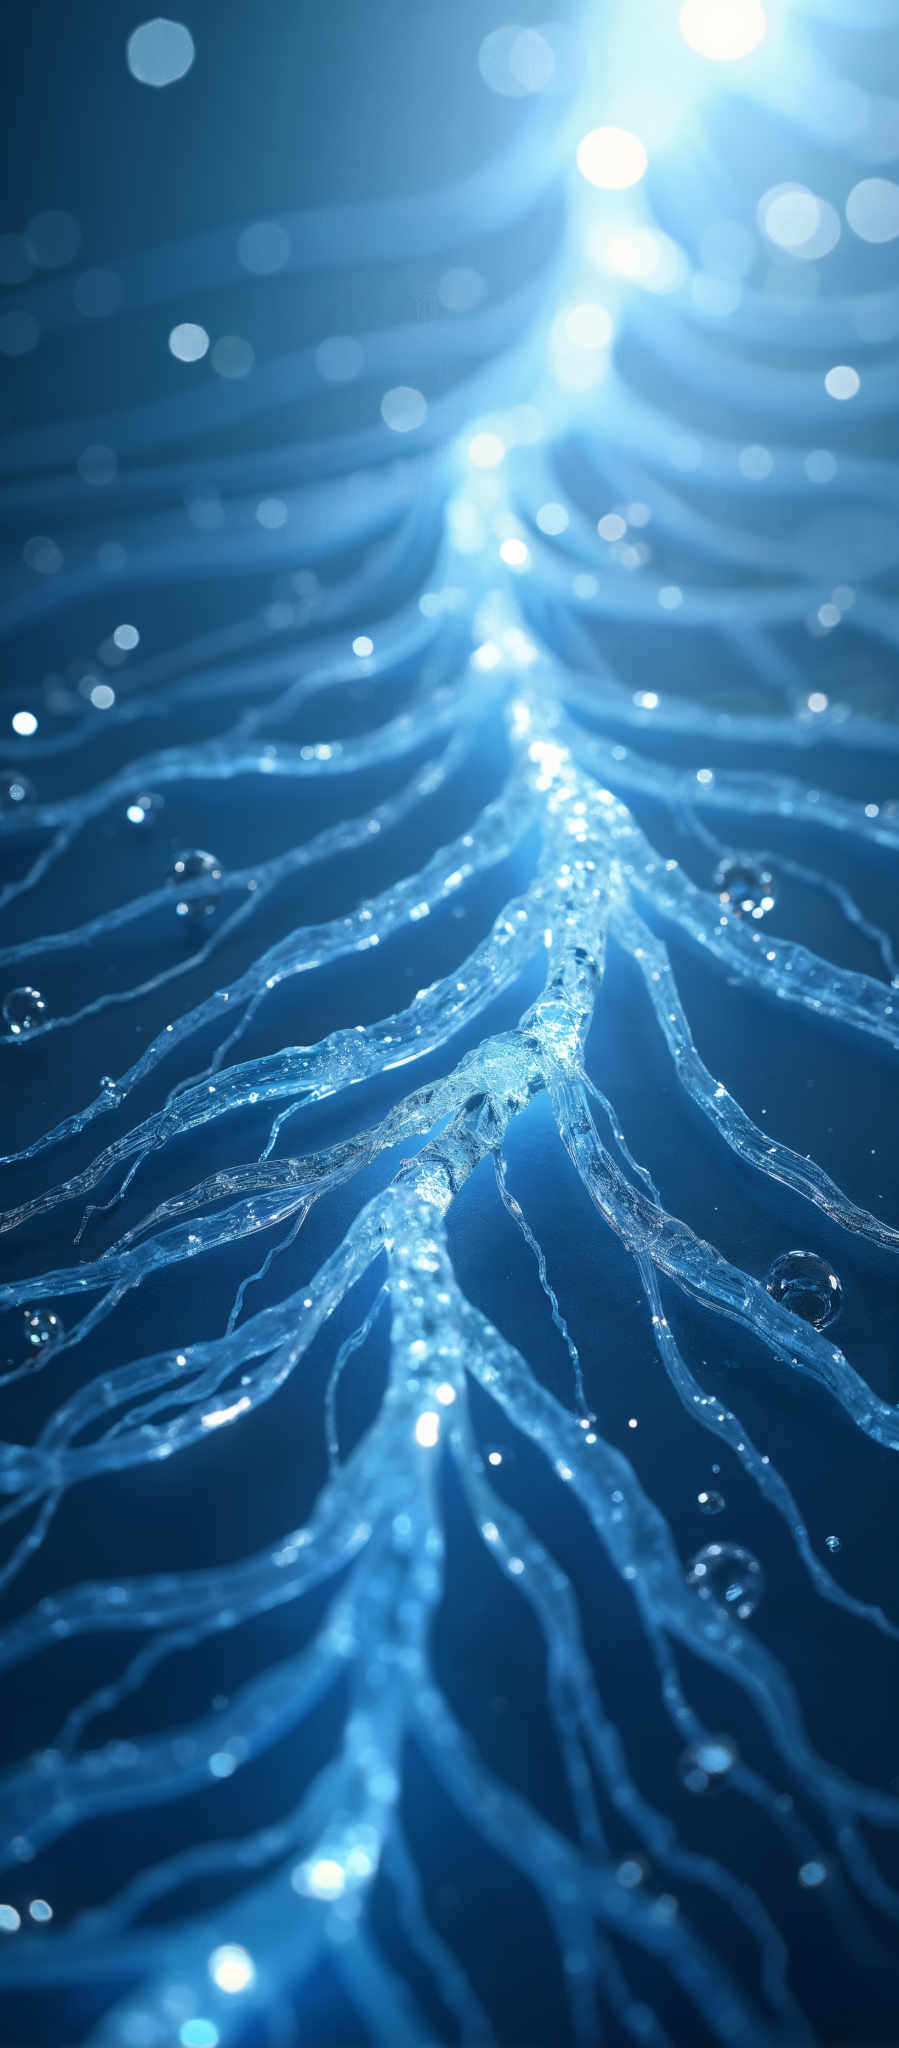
[[612, 158], [723, 30]]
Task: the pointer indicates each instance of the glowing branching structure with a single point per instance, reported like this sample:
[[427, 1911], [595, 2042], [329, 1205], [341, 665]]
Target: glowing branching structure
[[444, 654]]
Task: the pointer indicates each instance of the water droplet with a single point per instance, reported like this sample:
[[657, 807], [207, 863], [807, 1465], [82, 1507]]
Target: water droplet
[[806, 1285], [40, 1327], [23, 1008], [192, 867], [745, 886], [833, 1543], [706, 1764], [710, 1503], [728, 1576], [15, 790], [145, 808]]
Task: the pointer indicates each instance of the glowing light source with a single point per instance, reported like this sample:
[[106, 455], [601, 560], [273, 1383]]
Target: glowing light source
[[514, 553], [589, 326], [612, 158], [486, 450], [325, 1878], [427, 1429], [646, 257], [231, 1967], [199, 2033], [24, 723], [723, 30], [217, 1416], [486, 656]]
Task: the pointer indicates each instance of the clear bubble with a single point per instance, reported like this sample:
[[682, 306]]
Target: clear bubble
[[145, 808], [40, 1327], [710, 1503], [160, 52], [15, 790], [188, 342], [403, 409], [796, 220], [193, 867], [745, 886], [706, 1764], [515, 61], [807, 1285], [872, 210], [23, 1008], [842, 382], [729, 1577], [833, 1543]]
